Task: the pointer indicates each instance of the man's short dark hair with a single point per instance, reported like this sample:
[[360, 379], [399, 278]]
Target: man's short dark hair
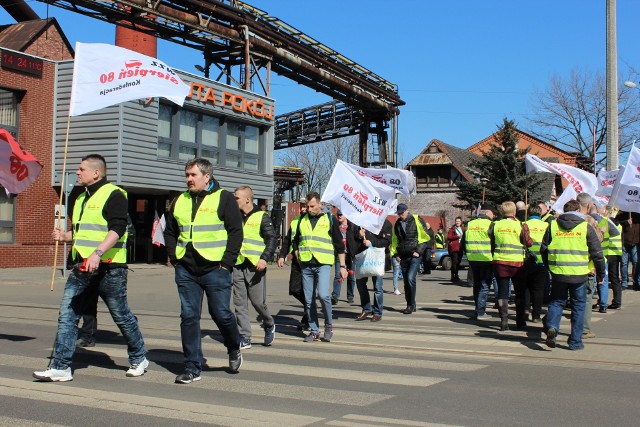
[[535, 210], [204, 165], [98, 162], [571, 206], [313, 195]]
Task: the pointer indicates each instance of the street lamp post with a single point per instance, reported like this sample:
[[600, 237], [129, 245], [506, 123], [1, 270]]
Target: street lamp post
[[484, 183]]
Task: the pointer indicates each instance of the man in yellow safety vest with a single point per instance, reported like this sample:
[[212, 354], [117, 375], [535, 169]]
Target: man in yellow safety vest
[[569, 249], [258, 246], [203, 240], [316, 243], [99, 256]]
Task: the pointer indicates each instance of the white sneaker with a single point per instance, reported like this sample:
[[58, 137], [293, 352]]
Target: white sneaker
[[138, 369], [54, 375], [397, 292]]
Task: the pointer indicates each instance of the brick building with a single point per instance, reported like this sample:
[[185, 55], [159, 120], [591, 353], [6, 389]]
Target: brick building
[[440, 166], [27, 89], [146, 144]]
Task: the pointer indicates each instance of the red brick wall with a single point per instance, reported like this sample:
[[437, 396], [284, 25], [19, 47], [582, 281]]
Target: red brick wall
[[50, 45], [34, 212]]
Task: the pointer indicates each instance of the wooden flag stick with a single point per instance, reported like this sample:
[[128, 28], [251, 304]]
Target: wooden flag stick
[[62, 184]]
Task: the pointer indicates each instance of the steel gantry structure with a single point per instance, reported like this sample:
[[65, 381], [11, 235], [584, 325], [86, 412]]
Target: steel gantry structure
[[233, 35]]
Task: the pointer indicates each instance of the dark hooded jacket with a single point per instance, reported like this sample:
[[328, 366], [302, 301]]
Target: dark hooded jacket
[[380, 240], [568, 221]]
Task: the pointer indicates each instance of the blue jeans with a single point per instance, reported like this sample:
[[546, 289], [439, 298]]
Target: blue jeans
[[112, 288], [410, 268], [603, 289], [217, 284], [397, 272], [482, 276], [629, 254], [337, 281], [378, 295], [317, 278], [578, 294]]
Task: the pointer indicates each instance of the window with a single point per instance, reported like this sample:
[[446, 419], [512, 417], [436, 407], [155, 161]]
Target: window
[[9, 112], [185, 134], [7, 217]]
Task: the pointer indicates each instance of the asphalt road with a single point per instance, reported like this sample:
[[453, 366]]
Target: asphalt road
[[434, 367]]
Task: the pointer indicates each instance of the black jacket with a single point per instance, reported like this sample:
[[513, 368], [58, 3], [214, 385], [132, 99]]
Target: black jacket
[[408, 238], [380, 240], [568, 221], [267, 232], [229, 213]]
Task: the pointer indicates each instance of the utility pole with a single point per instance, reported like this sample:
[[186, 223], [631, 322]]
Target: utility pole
[[612, 88]]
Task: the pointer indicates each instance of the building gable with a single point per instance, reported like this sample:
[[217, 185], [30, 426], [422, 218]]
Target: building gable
[[42, 38], [537, 147]]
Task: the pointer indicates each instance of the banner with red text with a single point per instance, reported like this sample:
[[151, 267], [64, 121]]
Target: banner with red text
[[402, 180], [18, 168], [105, 75], [613, 193], [363, 200], [580, 181]]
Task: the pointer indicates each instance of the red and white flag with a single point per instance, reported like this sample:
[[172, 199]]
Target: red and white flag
[[157, 231], [363, 200], [579, 181], [18, 168], [105, 75]]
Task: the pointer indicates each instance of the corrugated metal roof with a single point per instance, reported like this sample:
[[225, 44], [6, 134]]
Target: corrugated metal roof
[[19, 36]]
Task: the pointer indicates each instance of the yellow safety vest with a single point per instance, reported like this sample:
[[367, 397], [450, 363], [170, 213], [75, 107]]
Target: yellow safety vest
[[206, 232], [316, 242], [92, 228], [294, 227], [252, 243], [423, 237], [603, 225], [537, 228], [615, 243], [477, 243], [568, 250], [507, 241], [439, 241]]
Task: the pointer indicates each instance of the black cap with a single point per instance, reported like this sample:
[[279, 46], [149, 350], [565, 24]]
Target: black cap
[[402, 208]]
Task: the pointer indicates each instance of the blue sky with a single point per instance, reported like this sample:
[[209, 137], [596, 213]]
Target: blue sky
[[461, 66]]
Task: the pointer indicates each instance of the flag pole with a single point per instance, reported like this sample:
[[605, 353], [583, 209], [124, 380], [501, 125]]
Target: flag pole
[[62, 184]]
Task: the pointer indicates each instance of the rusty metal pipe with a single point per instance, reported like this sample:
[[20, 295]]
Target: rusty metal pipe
[[19, 10]]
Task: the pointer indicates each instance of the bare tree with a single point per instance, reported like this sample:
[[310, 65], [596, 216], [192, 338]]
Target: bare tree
[[318, 159], [568, 110]]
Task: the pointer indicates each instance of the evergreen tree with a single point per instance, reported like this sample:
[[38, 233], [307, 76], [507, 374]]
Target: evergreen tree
[[500, 173]]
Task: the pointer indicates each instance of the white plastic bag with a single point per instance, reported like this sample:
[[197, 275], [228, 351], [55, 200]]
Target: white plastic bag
[[370, 262]]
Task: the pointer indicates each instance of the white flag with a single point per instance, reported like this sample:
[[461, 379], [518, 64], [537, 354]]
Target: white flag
[[606, 182], [625, 197], [580, 181], [157, 231], [105, 75], [402, 180], [364, 201], [631, 175]]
